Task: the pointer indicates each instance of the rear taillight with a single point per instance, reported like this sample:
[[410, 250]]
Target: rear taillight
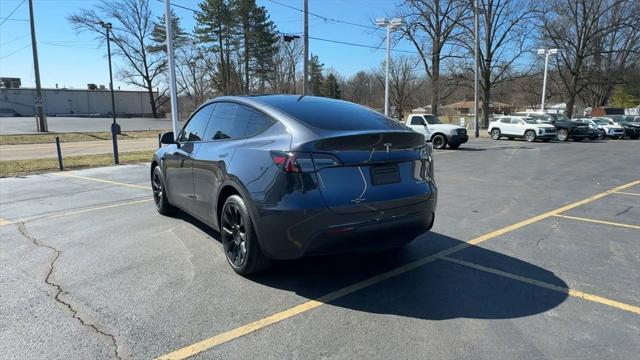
[[301, 162]]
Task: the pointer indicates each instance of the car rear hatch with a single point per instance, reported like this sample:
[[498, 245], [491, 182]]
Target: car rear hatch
[[376, 171]]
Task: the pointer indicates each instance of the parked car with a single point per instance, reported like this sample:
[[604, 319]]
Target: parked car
[[609, 128], [630, 124], [566, 128], [521, 127], [439, 134], [285, 176]]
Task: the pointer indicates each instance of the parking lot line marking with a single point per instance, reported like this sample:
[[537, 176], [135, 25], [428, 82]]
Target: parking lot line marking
[[627, 193], [240, 331], [101, 207], [4, 222], [598, 221], [546, 285], [103, 181]]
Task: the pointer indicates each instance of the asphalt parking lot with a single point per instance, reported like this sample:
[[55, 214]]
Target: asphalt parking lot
[[535, 253]]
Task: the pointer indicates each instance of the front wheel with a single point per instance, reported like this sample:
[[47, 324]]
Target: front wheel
[[239, 239], [563, 135], [439, 141], [601, 134], [495, 134], [530, 136], [160, 192]]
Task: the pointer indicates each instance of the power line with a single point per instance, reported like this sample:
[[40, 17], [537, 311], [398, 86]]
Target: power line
[[15, 52], [10, 19], [328, 19], [360, 45], [11, 13]]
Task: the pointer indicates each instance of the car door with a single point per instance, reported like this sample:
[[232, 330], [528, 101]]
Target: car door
[[418, 124], [505, 126], [224, 134], [519, 126], [178, 160], [431, 120]]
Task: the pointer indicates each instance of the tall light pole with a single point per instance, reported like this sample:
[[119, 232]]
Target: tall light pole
[[172, 70], [476, 48], [41, 124], [305, 64], [115, 128], [546, 54], [390, 25]]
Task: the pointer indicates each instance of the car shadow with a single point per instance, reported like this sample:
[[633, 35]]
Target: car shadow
[[437, 290]]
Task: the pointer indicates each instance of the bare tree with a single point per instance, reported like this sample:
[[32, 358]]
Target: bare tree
[[132, 34], [403, 83], [286, 61], [506, 26], [432, 26], [581, 29]]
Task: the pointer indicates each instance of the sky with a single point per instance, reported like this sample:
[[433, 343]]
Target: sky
[[74, 60]]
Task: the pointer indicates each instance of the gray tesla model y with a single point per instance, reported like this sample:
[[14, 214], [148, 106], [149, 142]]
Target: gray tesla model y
[[285, 176]]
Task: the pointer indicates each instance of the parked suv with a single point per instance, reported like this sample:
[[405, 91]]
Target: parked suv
[[521, 126], [438, 133], [605, 127], [567, 129], [631, 127]]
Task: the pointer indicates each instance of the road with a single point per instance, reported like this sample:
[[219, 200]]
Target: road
[[27, 125], [534, 255], [39, 151]]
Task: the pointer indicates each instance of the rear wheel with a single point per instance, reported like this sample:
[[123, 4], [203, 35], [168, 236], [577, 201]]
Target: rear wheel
[[239, 240], [495, 134], [563, 135], [159, 192], [439, 141], [530, 136]]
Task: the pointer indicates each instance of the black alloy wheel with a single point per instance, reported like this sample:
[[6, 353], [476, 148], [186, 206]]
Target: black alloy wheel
[[439, 141], [159, 193]]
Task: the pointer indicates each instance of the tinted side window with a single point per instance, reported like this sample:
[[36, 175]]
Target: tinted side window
[[257, 123], [197, 125], [222, 124], [416, 120], [505, 120], [431, 120]]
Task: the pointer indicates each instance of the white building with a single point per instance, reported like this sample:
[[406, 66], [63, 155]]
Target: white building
[[80, 102]]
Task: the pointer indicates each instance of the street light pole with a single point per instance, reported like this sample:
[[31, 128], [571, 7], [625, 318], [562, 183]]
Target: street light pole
[[390, 25], [546, 54], [115, 128], [305, 64], [475, 69], [172, 69]]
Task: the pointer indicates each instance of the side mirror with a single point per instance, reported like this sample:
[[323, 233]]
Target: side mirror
[[167, 138]]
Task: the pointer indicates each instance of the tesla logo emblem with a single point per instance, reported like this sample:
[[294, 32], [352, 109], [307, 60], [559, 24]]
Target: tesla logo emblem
[[387, 146]]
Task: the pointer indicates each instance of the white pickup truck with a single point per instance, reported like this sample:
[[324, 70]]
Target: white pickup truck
[[521, 126], [440, 135]]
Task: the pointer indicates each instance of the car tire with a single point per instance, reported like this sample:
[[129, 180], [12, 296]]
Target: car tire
[[159, 192], [563, 135], [439, 141], [601, 135], [239, 239], [495, 134], [634, 137], [454, 146], [530, 135]]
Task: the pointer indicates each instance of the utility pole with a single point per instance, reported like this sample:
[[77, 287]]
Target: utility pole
[[115, 128], [172, 69], [475, 70], [305, 71], [546, 54], [41, 123]]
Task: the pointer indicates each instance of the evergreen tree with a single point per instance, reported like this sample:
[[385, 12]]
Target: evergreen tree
[[330, 87], [159, 34], [315, 75]]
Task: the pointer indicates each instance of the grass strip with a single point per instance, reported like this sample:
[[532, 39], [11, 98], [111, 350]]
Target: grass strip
[[34, 166], [76, 137]]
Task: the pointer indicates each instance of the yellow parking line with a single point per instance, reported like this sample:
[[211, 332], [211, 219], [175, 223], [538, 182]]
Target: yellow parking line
[[102, 181], [542, 284], [4, 222], [627, 193], [598, 221], [230, 335]]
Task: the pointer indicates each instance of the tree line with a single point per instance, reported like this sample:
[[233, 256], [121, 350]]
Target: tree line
[[236, 49]]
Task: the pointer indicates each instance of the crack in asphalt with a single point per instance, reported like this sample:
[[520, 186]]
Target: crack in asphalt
[[624, 211], [23, 230]]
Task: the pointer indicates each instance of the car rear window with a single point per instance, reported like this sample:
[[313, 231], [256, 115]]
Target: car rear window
[[329, 114]]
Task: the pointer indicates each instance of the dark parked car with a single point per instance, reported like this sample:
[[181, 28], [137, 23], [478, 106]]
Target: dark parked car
[[567, 129], [285, 176]]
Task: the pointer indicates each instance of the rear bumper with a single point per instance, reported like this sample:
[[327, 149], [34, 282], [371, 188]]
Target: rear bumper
[[294, 233]]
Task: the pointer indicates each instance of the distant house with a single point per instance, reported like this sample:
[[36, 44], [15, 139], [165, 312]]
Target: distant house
[[467, 108], [422, 110]]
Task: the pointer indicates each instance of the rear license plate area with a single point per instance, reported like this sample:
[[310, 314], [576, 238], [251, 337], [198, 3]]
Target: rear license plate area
[[385, 174]]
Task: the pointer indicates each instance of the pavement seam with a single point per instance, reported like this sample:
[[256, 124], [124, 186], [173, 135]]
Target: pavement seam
[[23, 230]]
